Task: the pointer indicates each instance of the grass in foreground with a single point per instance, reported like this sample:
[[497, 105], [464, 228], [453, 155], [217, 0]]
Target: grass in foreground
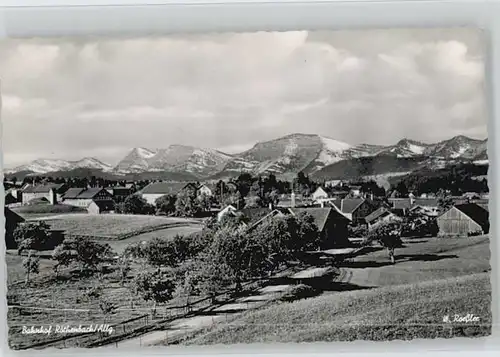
[[398, 312], [430, 259]]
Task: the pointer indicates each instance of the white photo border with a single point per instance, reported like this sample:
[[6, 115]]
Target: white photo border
[[138, 18]]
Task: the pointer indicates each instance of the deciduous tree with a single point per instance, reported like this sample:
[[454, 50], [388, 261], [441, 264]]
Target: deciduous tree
[[165, 204], [83, 251], [156, 286], [388, 234], [31, 236]]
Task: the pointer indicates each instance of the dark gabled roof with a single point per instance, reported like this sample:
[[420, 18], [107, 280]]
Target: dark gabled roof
[[321, 215], [58, 187], [90, 192], [164, 188], [269, 214], [11, 216], [426, 202], [398, 211], [475, 212], [484, 206], [73, 192], [336, 202], [115, 189], [376, 214], [349, 205]]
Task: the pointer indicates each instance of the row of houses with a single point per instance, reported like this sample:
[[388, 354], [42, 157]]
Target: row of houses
[[155, 190], [332, 223], [95, 199]]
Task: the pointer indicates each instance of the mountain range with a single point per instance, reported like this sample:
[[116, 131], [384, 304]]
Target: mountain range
[[320, 156]]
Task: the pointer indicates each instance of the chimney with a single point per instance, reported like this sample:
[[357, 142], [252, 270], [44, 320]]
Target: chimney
[[292, 199], [322, 204], [270, 206]]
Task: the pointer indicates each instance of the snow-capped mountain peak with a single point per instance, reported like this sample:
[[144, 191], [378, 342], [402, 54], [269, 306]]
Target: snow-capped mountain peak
[[145, 153], [284, 156], [91, 162], [41, 166], [332, 151], [174, 158]]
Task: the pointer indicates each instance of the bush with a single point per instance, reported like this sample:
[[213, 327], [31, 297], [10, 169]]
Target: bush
[[297, 292], [47, 208], [359, 231]]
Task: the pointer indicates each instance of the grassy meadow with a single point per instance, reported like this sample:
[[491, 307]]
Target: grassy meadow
[[431, 278], [111, 225], [393, 312]]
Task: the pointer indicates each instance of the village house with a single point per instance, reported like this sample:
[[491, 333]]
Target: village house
[[463, 220], [381, 215], [400, 205], [96, 199], [50, 192], [119, 193], [481, 202], [356, 209], [10, 197], [206, 189], [334, 183], [332, 224], [320, 193], [100, 206], [155, 190], [12, 221], [228, 210]]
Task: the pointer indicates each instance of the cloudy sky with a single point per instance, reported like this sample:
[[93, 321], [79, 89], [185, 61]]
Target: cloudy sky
[[74, 98]]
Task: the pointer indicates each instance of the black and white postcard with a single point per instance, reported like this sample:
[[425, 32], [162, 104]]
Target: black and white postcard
[[227, 188]]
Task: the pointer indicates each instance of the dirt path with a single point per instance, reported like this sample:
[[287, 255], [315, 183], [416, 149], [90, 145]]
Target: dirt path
[[186, 326]]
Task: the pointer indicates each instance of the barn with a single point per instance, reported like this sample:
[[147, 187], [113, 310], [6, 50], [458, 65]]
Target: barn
[[12, 220], [463, 220]]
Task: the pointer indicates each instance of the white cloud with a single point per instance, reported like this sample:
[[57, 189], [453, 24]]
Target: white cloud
[[69, 97]]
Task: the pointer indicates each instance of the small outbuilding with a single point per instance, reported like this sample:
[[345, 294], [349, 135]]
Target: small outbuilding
[[464, 220]]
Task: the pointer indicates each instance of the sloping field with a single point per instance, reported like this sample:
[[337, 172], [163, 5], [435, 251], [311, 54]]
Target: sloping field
[[35, 211], [395, 312], [430, 259], [111, 226]]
